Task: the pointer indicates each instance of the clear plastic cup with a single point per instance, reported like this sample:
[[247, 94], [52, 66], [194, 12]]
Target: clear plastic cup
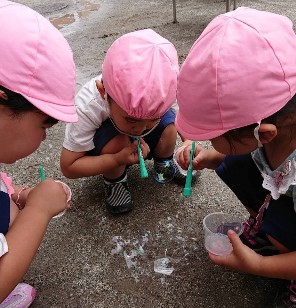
[[215, 227], [69, 197]]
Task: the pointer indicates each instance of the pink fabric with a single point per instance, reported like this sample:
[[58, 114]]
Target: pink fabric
[[7, 182], [140, 73], [36, 61], [241, 70]]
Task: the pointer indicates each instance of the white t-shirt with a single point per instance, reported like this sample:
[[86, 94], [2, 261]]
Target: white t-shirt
[[92, 111]]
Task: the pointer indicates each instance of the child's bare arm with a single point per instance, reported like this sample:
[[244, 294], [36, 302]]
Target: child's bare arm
[[77, 164], [25, 234], [246, 260]]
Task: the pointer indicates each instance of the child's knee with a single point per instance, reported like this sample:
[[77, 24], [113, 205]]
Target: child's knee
[[168, 136], [116, 144]]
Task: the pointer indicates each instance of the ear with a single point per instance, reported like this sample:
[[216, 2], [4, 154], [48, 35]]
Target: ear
[[101, 89], [267, 132]]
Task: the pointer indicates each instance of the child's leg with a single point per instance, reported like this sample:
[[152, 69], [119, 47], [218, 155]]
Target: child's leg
[[114, 146], [108, 140], [162, 140], [167, 142]]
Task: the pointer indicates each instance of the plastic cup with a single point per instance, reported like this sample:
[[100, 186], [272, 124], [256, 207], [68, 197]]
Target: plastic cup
[[215, 227], [69, 196]]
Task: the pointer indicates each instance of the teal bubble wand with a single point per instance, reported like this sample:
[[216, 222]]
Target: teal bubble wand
[[41, 173], [143, 170], [187, 189]]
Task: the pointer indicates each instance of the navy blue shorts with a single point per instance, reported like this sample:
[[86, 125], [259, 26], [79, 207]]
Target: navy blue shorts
[[107, 132], [4, 212], [242, 176]]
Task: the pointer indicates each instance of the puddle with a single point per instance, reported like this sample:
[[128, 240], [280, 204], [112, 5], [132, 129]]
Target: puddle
[[63, 21], [81, 11]]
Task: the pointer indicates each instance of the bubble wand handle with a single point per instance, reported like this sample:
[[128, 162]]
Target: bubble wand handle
[[143, 170], [41, 173], [187, 189]]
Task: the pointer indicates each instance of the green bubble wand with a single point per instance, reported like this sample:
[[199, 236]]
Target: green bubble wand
[[143, 170], [41, 173], [187, 189]]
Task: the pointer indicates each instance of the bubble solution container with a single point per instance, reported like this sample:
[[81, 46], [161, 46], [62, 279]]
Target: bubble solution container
[[216, 226]]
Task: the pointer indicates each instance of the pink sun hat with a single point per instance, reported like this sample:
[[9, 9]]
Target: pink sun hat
[[36, 61], [140, 74], [241, 70]]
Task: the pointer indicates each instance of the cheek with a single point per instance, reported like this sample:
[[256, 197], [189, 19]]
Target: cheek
[[33, 142], [221, 145]]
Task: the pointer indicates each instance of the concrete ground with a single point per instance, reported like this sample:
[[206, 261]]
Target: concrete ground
[[91, 259]]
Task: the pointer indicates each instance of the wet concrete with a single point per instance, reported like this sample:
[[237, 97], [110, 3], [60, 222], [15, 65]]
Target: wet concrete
[[91, 259]]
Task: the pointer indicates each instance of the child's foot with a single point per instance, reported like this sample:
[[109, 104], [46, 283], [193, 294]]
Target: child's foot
[[286, 297], [118, 196], [21, 297], [257, 242], [168, 169], [163, 171]]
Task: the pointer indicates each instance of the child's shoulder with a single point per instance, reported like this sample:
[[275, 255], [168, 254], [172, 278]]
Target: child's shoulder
[[89, 93]]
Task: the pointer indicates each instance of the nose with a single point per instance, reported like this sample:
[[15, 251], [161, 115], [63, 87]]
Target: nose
[[44, 136]]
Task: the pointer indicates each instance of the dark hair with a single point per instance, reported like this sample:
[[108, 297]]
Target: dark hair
[[18, 104], [288, 111]]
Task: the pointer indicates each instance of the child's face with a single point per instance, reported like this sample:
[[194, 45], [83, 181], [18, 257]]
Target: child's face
[[244, 146], [129, 125], [22, 134]]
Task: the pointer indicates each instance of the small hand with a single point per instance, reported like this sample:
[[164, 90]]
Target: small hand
[[200, 156], [129, 154], [242, 258], [49, 197]]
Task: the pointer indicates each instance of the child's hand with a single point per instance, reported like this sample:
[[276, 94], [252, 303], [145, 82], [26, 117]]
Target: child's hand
[[242, 258], [203, 158], [129, 154], [200, 156], [49, 197], [144, 147]]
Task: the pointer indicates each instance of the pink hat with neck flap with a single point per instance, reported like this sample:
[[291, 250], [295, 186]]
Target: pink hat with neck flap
[[140, 74], [241, 70], [36, 61]]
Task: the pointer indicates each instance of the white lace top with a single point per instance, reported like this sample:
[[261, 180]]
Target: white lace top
[[281, 180]]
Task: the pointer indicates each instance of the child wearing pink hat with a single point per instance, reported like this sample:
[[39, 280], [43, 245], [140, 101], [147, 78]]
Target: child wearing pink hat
[[237, 89], [37, 88], [132, 98]]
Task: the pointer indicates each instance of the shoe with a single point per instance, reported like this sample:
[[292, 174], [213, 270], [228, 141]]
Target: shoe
[[285, 297], [257, 242], [163, 171], [180, 174], [22, 296], [118, 197]]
